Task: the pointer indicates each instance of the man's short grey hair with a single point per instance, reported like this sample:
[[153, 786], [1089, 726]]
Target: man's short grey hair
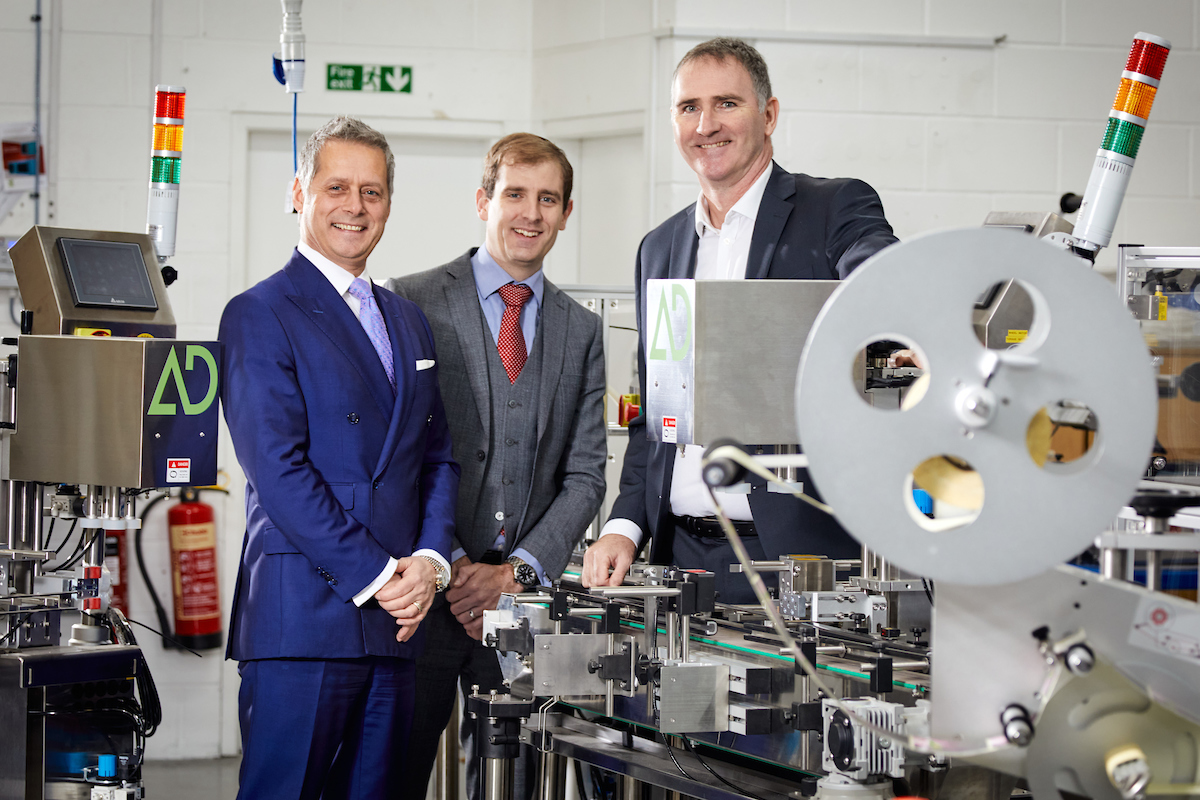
[[343, 129], [743, 52]]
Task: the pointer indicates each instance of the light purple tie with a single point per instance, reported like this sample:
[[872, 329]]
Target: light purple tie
[[372, 322]]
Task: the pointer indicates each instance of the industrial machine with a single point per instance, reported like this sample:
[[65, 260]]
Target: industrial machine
[[997, 476], [101, 404]]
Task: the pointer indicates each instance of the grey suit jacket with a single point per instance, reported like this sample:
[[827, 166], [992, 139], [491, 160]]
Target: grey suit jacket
[[567, 485]]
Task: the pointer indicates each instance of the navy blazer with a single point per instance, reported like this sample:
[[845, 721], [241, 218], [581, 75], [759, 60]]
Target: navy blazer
[[340, 473], [807, 229]]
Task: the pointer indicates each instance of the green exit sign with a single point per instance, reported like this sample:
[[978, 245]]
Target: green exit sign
[[368, 78]]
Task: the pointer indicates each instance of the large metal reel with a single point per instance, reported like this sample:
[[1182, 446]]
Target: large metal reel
[[1082, 345]]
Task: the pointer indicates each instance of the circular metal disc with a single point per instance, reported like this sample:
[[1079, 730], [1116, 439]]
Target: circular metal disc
[[1083, 346]]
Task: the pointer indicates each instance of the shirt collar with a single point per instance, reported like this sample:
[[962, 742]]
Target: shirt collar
[[339, 276], [490, 276], [747, 205]]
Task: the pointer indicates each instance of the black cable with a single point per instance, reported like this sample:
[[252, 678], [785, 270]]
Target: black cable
[[160, 612], [928, 589], [16, 627], [75, 559], [165, 637], [70, 531], [675, 761], [703, 763]]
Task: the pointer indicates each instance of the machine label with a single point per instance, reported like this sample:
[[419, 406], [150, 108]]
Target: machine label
[[368, 78], [179, 470], [172, 373], [1166, 628], [668, 430]]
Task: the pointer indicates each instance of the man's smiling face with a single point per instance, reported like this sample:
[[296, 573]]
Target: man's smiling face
[[719, 128], [524, 215], [344, 208]]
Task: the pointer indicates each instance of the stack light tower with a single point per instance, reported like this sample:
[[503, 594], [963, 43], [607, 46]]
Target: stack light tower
[[1119, 148], [165, 159]]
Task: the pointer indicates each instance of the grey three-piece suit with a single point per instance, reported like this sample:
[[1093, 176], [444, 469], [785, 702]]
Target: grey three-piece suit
[[535, 448]]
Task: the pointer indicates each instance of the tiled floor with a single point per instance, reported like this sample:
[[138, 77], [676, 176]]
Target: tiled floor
[[208, 779]]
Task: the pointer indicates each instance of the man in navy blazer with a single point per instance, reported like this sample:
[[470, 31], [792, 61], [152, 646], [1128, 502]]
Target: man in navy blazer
[[331, 396], [752, 220]]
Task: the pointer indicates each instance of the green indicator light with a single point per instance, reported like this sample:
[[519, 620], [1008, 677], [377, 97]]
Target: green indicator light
[[164, 170], [1122, 137]]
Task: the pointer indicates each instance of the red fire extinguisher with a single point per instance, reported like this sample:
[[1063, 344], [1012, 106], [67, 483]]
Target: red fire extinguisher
[[194, 572], [118, 565]]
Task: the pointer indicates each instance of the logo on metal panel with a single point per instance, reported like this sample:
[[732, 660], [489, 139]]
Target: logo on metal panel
[[663, 325], [171, 371]]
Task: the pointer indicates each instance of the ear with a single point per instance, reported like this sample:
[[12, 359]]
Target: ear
[[297, 196], [481, 203], [771, 112], [562, 226]]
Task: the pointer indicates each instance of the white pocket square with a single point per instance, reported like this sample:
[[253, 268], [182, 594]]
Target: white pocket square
[[425, 363]]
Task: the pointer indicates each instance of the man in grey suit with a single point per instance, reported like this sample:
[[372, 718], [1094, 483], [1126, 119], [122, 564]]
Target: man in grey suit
[[521, 370]]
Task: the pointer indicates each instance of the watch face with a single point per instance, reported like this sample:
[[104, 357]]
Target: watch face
[[525, 575]]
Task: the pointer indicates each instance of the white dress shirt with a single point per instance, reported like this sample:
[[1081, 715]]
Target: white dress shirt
[[722, 256], [341, 279]]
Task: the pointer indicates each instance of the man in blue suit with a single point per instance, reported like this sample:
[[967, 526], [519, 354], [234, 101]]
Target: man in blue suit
[[753, 220], [331, 395]]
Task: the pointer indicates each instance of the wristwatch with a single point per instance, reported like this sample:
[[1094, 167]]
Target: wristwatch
[[441, 575], [523, 573]]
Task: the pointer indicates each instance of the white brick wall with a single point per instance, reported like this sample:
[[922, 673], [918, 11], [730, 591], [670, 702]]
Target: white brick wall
[[945, 133]]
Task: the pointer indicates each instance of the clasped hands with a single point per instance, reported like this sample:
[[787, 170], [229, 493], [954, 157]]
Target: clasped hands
[[408, 594], [476, 588]]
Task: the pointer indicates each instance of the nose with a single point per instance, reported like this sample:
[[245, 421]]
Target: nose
[[707, 124], [353, 203], [530, 207]]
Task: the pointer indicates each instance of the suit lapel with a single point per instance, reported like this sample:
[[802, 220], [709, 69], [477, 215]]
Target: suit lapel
[[684, 246], [773, 213], [463, 300], [553, 332], [405, 359], [316, 297]]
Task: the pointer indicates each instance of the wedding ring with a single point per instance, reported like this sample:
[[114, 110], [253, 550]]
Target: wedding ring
[[419, 607], [471, 613]]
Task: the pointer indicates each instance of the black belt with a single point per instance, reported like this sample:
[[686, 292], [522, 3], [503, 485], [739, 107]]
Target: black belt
[[710, 527]]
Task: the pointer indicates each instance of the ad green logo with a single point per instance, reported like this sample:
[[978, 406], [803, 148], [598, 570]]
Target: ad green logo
[[171, 371], [662, 323]]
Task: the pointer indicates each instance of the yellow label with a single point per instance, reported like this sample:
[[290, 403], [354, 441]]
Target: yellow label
[[92, 332], [200, 536], [145, 336], [1015, 336], [1162, 305]]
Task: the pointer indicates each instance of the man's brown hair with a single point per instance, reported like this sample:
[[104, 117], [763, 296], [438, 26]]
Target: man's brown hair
[[524, 148]]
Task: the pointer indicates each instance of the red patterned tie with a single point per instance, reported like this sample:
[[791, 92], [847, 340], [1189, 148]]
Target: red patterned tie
[[512, 341]]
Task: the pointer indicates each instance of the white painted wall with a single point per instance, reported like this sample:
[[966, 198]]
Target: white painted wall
[[914, 96]]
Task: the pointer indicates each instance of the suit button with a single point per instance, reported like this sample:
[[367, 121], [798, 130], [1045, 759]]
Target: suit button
[[333, 581], [429, 419], [506, 482], [353, 418], [512, 403], [375, 485], [500, 515], [510, 442], [480, 455]]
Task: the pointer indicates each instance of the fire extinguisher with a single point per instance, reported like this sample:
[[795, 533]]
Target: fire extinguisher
[[193, 535], [118, 566]]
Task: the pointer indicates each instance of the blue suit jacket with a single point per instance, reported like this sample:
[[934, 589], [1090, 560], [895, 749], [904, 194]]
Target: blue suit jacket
[[340, 473], [807, 229]]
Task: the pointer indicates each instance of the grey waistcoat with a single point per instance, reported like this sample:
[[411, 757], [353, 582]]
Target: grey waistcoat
[[514, 408]]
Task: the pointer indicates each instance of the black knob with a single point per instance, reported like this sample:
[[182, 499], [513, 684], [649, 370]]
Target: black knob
[[1069, 203], [170, 274], [26, 322]]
